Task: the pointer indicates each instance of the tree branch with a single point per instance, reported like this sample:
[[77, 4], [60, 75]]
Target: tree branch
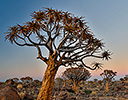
[[87, 66], [22, 44], [40, 55]]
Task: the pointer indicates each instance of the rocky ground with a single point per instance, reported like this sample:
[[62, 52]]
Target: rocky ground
[[11, 90]]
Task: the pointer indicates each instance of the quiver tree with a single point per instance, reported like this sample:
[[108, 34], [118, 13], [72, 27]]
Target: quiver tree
[[59, 83], [37, 82], [126, 78], [90, 84], [122, 80], [108, 75], [76, 75], [23, 79], [16, 79], [66, 37], [95, 81], [100, 82], [27, 79]]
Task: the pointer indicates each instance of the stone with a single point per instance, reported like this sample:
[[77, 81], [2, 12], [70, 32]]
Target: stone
[[8, 92], [69, 89], [63, 95], [111, 99], [28, 97], [22, 94], [126, 97], [19, 86], [95, 99], [63, 88], [72, 98], [94, 93], [82, 93]]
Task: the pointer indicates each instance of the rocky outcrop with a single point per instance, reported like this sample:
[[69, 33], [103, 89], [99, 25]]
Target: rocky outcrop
[[8, 92]]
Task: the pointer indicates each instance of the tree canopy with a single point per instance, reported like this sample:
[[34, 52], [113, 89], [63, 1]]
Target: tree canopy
[[77, 74], [67, 37], [108, 74]]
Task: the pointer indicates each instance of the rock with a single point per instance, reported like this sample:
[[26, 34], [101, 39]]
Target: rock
[[115, 89], [19, 86], [95, 99], [94, 93], [111, 99], [28, 97], [87, 99], [126, 93], [80, 88], [126, 97], [22, 94], [8, 92], [82, 93], [100, 94], [63, 95], [63, 89], [72, 98], [69, 89]]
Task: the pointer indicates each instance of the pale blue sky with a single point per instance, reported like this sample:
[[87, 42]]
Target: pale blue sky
[[108, 19]]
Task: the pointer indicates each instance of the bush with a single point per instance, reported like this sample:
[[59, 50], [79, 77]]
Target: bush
[[88, 91]]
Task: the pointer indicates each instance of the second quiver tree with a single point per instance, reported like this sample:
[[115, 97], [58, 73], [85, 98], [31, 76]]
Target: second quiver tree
[[66, 37], [108, 75], [76, 75]]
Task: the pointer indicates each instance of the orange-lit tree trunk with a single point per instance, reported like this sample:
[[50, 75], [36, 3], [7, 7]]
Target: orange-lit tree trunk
[[64, 83], [107, 86], [48, 81], [75, 86]]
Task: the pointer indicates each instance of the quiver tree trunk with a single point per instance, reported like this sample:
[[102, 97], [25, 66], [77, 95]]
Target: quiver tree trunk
[[75, 86], [48, 81], [107, 87], [64, 84]]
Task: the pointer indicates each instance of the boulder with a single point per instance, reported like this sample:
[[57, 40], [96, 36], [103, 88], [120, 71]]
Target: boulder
[[19, 86], [67, 88], [22, 94], [72, 98], [28, 97], [63, 95], [8, 92]]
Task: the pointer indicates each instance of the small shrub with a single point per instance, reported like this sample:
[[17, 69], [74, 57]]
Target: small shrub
[[88, 91], [70, 94]]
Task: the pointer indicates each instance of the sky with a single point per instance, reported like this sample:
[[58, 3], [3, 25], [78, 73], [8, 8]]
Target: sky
[[107, 19]]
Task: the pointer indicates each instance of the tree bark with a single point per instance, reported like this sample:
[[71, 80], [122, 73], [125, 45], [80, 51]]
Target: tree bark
[[48, 81], [107, 87], [75, 86]]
